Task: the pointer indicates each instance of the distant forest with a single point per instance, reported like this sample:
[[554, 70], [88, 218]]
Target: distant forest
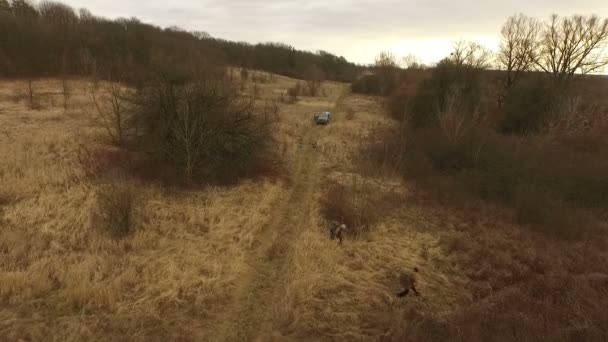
[[51, 39]]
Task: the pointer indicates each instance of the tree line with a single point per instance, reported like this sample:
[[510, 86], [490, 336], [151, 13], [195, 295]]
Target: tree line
[[561, 48], [52, 39]]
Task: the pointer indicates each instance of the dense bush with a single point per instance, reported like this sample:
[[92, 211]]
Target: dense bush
[[527, 106], [203, 129], [546, 185], [380, 82]]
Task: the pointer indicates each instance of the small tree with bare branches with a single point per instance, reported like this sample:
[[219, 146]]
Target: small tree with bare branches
[[466, 53], [113, 111], [387, 70], [411, 61], [33, 101]]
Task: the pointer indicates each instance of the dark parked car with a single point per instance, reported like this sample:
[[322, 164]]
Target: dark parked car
[[322, 118]]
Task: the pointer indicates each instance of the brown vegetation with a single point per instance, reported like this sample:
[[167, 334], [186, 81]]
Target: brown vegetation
[[203, 129], [515, 186], [115, 208], [497, 194]]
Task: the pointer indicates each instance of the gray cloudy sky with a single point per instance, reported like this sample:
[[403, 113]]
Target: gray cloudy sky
[[356, 29]]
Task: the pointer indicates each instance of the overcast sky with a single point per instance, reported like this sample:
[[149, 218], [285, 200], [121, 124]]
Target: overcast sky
[[356, 29]]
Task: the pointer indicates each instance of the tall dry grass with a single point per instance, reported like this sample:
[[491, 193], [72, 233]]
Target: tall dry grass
[[63, 277], [174, 276], [347, 292]]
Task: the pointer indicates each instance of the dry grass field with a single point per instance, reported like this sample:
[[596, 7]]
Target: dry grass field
[[254, 261]]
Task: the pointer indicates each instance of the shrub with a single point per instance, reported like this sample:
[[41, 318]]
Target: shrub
[[527, 106], [115, 208], [367, 84], [96, 163], [203, 129], [294, 92], [451, 86], [546, 185], [114, 112], [382, 82], [398, 103]]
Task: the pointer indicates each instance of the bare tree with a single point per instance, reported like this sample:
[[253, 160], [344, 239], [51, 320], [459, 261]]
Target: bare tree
[[32, 100], [190, 130], [411, 61], [518, 45], [387, 70], [571, 46], [58, 13], [113, 112], [314, 79], [386, 59], [471, 54]]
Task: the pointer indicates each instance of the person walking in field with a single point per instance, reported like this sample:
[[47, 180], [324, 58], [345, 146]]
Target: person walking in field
[[337, 230], [407, 280]]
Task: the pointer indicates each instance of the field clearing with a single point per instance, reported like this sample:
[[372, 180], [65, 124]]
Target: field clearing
[[190, 257], [252, 261]]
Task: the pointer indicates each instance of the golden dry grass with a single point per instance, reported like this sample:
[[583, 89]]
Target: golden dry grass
[[64, 277]]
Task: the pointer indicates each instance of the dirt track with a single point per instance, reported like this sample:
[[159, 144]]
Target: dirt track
[[245, 319]]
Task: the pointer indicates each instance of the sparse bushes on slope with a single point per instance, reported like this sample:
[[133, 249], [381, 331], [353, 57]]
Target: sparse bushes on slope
[[451, 87], [452, 149], [382, 78], [545, 184]]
